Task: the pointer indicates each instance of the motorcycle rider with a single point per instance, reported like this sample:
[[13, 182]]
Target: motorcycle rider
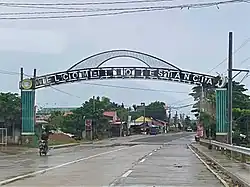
[[45, 137]]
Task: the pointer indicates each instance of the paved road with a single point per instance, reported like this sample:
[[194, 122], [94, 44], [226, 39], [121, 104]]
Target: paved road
[[171, 165], [166, 162]]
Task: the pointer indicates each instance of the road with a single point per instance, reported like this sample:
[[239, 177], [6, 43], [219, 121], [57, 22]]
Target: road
[[162, 160]]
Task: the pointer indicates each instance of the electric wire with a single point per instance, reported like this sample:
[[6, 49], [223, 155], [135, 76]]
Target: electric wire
[[88, 3], [125, 10], [245, 42]]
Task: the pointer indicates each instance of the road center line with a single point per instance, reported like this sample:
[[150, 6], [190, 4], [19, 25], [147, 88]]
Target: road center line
[[150, 154], [58, 166]]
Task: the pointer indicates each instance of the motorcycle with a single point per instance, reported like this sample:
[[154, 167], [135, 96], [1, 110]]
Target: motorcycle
[[43, 149]]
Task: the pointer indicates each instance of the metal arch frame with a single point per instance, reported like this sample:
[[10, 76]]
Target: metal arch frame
[[144, 73], [120, 56], [168, 73]]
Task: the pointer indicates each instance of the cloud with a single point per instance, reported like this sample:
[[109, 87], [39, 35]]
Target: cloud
[[26, 40]]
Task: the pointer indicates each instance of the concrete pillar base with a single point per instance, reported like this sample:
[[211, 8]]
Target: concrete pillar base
[[30, 140], [221, 137], [88, 135]]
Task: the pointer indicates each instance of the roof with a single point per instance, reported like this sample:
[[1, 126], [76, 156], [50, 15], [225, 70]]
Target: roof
[[61, 109], [116, 123], [141, 119], [38, 121], [109, 113], [159, 122], [67, 113]]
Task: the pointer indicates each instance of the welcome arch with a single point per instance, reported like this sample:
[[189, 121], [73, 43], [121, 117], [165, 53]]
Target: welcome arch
[[91, 68]]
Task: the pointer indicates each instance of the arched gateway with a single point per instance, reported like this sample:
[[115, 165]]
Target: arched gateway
[[91, 69]]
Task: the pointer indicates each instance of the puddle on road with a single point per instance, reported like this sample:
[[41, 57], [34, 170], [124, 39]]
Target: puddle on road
[[115, 145], [43, 167]]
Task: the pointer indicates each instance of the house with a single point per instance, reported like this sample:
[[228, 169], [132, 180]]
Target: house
[[116, 125], [112, 115]]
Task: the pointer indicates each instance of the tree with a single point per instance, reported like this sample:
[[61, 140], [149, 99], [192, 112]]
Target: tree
[[156, 110], [134, 107], [176, 120], [94, 108], [10, 109], [56, 119], [122, 113], [241, 121], [240, 100], [196, 93], [135, 114], [187, 122]]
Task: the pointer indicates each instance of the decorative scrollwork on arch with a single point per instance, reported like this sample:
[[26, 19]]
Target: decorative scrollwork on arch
[[99, 59]]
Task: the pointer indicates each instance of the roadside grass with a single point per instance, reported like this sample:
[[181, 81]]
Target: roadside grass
[[60, 142]]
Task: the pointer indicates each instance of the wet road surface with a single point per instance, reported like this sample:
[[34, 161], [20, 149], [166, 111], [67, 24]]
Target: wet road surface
[[171, 165], [166, 162]]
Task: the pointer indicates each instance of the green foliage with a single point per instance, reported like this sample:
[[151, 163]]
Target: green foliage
[[135, 114], [10, 108], [56, 119], [156, 110], [187, 122], [240, 101], [241, 120], [93, 109]]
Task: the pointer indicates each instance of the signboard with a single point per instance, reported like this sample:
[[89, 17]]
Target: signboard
[[200, 130], [88, 124], [128, 73]]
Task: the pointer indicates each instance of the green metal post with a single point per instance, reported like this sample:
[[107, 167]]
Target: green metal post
[[221, 111]]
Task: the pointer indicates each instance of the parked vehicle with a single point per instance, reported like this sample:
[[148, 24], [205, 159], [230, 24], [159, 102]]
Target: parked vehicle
[[154, 130]]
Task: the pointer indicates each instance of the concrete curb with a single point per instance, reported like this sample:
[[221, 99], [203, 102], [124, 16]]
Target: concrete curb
[[208, 167], [35, 150], [233, 176], [65, 145]]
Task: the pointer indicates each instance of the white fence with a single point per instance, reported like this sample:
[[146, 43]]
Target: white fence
[[3, 136]]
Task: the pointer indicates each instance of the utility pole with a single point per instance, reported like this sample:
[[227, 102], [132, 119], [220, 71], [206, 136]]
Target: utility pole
[[169, 115], [144, 112], [21, 79], [247, 129], [176, 119], [93, 120], [202, 100], [230, 81]]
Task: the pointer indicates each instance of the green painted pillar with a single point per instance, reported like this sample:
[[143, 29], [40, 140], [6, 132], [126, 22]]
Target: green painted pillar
[[221, 112], [28, 112]]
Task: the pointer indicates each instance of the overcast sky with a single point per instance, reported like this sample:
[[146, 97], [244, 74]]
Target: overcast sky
[[194, 39]]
